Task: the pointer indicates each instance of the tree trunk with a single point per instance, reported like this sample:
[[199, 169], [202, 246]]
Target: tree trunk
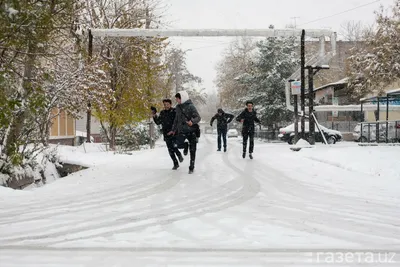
[[17, 124], [113, 132], [88, 122]]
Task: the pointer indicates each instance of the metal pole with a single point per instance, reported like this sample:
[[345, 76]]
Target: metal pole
[[296, 118], [302, 98], [387, 118], [311, 106], [361, 133], [362, 111], [319, 129], [348, 119], [89, 104], [377, 122]]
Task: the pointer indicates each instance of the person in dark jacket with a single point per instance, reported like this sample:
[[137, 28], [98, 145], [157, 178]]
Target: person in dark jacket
[[223, 119], [248, 117], [166, 119], [186, 124]]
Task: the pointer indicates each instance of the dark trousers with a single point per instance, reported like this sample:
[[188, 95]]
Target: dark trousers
[[172, 149], [246, 134], [192, 139], [221, 133]]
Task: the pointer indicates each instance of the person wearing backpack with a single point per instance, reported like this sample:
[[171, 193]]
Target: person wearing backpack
[[185, 126]]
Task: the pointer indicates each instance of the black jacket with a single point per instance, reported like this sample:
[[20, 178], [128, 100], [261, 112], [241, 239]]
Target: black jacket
[[166, 119], [222, 120], [249, 119], [185, 112]]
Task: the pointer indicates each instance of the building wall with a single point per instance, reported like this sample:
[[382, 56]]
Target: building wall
[[337, 65], [81, 125], [62, 128], [394, 115]]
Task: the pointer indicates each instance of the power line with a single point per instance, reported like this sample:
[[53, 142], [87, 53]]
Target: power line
[[345, 11]]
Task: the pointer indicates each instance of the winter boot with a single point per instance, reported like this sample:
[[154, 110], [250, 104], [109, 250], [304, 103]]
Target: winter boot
[[244, 155], [191, 167], [224, 149], [176, 166], [180, 158], [251, 156], [219, 149]]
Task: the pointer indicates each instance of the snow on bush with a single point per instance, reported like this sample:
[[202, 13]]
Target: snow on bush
[[36, 170]]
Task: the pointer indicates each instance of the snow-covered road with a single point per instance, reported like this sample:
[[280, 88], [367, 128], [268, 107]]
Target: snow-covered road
[[282, 208]]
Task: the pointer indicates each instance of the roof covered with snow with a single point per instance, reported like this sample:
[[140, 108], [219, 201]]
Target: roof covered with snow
[[341, 82]]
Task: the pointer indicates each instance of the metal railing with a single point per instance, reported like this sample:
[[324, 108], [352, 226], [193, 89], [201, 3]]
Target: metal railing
[[386, 131], [341, 126]]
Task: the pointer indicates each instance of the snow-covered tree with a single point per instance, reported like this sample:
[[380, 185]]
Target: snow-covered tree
[[26, 43], [177, 77], [237, 60], [376, 65], [134, 64], [276, 60]]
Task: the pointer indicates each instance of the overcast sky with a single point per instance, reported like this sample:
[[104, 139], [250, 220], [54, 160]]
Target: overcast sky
[[205, 52]]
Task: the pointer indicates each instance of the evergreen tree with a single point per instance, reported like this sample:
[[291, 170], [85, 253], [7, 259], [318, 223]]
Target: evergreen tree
[[277, 59]]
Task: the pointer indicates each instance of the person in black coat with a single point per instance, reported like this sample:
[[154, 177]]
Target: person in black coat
[[186, 125], [248, 117], [166, 119], [223, 119]]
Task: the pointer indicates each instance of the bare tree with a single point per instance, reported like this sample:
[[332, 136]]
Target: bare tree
[[237, 61]]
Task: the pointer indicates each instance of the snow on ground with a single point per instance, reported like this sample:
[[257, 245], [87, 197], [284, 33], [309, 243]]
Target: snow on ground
[[280, 209]]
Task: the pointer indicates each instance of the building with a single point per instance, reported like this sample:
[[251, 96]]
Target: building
[[95, 128], [62, 130]]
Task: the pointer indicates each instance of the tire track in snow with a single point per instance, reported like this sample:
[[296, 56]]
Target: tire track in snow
[[99, 204], [323, 214], [41, 204], [113, 192], [291, 208], [115, 201], [77, 203], [124, 218], [238, 194]]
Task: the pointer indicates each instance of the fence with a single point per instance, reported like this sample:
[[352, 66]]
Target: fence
[[341, 126], [387, 131]]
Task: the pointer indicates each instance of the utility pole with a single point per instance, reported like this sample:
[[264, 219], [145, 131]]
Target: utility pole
[[89, 104], [302, 97], [149, 91], [312, 70], [311, 105]]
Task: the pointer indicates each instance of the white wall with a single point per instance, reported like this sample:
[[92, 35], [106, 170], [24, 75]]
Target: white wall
[[81, 125]]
